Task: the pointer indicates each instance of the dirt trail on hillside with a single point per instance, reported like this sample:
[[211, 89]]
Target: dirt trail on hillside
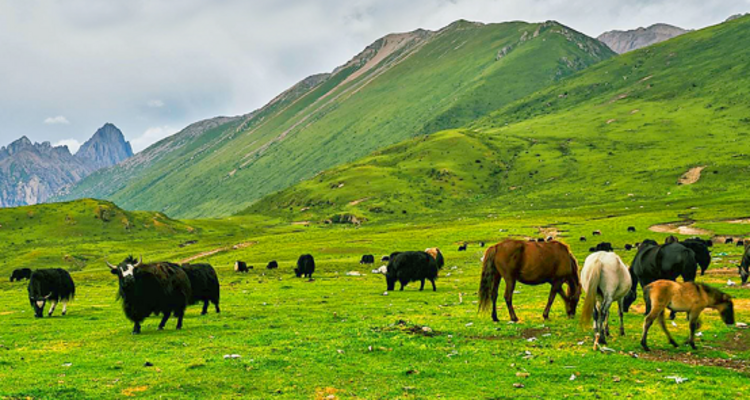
[[692, 176], [217, 250], [680, 228]]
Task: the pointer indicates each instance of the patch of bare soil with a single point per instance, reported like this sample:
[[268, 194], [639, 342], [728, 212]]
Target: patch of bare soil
[[305, 223], [534, 332], [355, 202], [214, 251], [691, 176], [547, 231], [413, 329], [681, 228], [739, 365]]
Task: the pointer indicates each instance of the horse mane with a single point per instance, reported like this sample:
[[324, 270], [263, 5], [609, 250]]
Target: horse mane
[[710, 289]]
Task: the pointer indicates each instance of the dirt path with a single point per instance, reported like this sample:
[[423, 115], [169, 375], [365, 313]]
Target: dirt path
[[680, 228], [692, 176], [217, 250]]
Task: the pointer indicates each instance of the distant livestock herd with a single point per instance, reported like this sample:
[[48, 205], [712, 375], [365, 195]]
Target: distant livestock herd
[[166, 289]]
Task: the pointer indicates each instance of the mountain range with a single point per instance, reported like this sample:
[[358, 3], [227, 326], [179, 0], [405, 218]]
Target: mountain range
[[31, 173]]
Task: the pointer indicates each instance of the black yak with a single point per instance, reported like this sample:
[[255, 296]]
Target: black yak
[[272, 265], [305, 266], [411, 266], [628, 247], [582, 238], [241, 266], [596, 233], [631, 229], [463, 247], [604, 246], [20, 274], [54, 285], [158, 288], [204, 285], [367, 259], [384, 258]]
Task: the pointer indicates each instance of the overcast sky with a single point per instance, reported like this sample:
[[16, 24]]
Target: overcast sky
[[153, 67]]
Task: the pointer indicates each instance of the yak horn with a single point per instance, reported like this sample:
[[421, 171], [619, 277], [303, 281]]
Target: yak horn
[[140, 261], [48, 296], [110, 265]]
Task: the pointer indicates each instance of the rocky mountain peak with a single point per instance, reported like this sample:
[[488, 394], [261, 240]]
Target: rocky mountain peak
[[106, 148], [625, 41]]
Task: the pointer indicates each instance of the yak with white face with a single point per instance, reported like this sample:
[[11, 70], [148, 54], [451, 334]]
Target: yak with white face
[[157, 288], [53, 285]]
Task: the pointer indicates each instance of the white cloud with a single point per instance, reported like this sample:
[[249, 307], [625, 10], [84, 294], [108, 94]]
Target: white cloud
[[73, 145], [151, 136], [155, 103], [58, 120]]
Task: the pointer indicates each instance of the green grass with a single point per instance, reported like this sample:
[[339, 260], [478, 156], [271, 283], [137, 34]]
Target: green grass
[[444, 80], [303, 339]]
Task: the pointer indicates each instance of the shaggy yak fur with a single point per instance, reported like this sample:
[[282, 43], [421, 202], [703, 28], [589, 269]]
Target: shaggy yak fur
[[204, 284], [411, 266], [54, 285]]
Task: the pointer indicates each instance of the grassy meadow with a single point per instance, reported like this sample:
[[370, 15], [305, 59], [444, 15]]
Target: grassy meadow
[[340, 336]]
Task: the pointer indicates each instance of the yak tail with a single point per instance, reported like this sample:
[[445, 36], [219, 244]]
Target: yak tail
[[489, 282], [590, 301]]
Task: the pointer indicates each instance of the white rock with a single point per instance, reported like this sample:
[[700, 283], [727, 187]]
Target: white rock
[[731, 283], [531, 339], [353, 273], [228, 356], [573, 377], [677, 379], [470, 324]]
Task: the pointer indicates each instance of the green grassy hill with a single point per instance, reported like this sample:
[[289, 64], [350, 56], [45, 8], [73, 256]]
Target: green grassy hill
[[619, 134], [400, 87]]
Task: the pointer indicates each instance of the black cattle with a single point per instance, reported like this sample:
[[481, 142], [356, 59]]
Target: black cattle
[[582, 238], [481, 244], [728, 240], [54, 285], [20, 274], [367, 259], [740, 243], [384, 258], [654, 262], [702, 252], [306, 266], [272, 265], [460, 248], [631, 229], [204, 285], [157, 288], [540, 240], [592, 250], [241, 266], [628, 247], [745, 264], [596, 233], [411, 266], [604, 246]]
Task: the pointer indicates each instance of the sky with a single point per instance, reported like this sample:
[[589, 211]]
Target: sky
[[152, 67]]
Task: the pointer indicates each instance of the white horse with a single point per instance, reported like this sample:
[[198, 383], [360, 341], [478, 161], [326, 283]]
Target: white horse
[[606, 279]]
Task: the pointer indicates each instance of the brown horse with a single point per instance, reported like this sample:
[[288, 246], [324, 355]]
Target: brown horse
[[531, 263], [688, 296]]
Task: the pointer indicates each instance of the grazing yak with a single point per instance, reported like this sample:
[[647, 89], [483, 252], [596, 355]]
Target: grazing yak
[[740, 243], [631, 229], [411, 266], [596, 233], [463, 247], [54, 285], [157, 288], [604, 246], [385, 258], [272, 265], [241, 266], [628, 247], [20, 274], [481, 244], [305, 266], [582, 238], [728, 240], [204, 285], [367, 259]]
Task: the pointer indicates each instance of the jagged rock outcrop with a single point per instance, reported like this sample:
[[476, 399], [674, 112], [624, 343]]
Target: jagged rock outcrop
[[625, 41], [106, 148], [31, 173]]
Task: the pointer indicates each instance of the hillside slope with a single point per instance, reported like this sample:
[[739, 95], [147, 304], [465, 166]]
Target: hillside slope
[[662, 125], [401, 86]]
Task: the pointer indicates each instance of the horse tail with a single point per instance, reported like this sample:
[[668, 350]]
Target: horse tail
[[575, 279], [487, 285], [593, 285]]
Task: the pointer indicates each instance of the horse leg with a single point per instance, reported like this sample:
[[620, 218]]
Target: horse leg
[[646, 326], [620, 307], [494, 294], [603, 320], [647, 299], [164, 320], [510, 286], [664, 328], [693, 327], [556, 287]]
